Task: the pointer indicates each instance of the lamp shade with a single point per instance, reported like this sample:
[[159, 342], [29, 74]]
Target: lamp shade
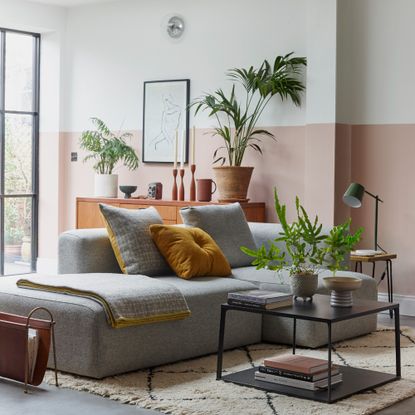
[[354, 195]]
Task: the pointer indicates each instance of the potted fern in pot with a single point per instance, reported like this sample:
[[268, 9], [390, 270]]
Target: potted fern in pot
[[107, 149], [237, 117], [303, 241]]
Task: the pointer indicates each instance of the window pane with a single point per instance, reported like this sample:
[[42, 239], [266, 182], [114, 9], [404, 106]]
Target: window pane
[[18, 154], [17, 235], [19, 72]]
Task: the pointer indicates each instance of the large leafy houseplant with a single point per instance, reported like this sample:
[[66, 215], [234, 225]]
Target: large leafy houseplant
[[237, 118], [107, 149]]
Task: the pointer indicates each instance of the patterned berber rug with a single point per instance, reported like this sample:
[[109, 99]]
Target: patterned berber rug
[[190, 388]]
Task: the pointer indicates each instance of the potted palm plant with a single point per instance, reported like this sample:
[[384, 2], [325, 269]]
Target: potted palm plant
[[237, 118], [107, 149]]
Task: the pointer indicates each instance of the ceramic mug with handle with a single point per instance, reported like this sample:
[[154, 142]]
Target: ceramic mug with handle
[[204, 189]]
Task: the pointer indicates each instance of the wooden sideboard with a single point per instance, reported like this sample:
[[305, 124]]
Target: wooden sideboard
[[88, 215]]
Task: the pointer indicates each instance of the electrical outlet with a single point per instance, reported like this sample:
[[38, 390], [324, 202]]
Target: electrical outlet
[[74, 156]]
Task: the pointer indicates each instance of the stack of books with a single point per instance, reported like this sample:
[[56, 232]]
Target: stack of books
[[263, 299], [298, 372]]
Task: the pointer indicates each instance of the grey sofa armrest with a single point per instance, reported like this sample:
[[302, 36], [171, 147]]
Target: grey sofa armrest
[[86, 250]]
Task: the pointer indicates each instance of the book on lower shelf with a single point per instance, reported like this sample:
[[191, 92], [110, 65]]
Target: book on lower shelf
[[296, 383], [298, 371], [264, 299], [297, 363]]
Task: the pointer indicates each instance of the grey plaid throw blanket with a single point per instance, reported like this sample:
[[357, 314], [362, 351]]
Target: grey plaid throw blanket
[[128, 300]]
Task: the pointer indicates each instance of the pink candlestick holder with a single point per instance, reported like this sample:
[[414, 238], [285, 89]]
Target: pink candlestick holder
[[174, 190], [181, 187], [193, 183]]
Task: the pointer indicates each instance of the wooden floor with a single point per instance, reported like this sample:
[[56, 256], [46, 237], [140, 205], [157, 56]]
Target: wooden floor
[[406, 407]]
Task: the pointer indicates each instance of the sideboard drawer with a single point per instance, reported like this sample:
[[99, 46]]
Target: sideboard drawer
[[89, 216]]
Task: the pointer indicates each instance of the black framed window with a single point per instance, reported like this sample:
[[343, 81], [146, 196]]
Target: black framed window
[[19, 142]]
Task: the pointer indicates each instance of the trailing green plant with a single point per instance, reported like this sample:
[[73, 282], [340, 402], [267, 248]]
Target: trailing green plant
[[339, 242], [107, 148], [236, 119], [302, 239]]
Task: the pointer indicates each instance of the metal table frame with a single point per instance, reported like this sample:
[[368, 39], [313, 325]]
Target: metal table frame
[[388, 272], [358, 380]]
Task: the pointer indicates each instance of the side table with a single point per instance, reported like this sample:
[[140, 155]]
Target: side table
[[355, 380], [387, 258]]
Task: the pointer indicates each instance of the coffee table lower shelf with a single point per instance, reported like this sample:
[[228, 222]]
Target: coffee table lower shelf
[[354, 380]]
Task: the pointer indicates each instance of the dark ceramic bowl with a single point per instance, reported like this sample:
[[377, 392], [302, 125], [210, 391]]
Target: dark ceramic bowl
[[128, 191]]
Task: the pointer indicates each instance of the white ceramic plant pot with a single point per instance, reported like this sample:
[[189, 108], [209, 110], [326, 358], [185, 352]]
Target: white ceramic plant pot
[[106, 185], [304, 286]]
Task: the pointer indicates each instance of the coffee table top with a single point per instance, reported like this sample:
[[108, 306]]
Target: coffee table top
[[321, 310]]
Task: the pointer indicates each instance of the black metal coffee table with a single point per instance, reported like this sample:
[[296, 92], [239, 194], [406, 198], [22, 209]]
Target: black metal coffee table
[[354, 380]]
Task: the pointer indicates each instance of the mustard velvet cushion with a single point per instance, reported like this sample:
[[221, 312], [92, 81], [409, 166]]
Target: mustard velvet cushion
[[190, 252]]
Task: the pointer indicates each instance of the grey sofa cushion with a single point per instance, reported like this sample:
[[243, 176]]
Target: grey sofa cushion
[[130, 237], [227, 225]]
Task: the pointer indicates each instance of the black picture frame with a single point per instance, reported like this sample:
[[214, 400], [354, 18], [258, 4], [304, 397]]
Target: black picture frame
[[165, 109]]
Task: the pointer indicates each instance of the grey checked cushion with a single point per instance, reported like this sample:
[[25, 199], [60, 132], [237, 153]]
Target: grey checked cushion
[[227, 225], [128, 231]]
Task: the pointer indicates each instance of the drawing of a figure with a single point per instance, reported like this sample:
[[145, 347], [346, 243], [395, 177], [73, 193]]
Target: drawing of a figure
[[170, 122]]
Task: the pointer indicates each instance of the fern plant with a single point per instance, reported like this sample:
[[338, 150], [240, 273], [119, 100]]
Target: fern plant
[[237, 119], [302, 239], [339, 243], [308, 248], [107, 148]]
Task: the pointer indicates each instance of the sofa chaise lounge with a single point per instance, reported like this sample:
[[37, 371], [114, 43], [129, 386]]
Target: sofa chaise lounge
[[87, 345]]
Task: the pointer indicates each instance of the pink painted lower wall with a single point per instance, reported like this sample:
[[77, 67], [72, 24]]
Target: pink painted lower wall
[[282, 165], [382, 160]]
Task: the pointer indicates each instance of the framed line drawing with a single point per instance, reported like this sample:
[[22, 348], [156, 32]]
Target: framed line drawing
[[165, 111]]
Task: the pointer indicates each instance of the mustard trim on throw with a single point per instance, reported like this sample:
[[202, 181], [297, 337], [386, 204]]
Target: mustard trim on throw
[[114, 244], [115, 323]]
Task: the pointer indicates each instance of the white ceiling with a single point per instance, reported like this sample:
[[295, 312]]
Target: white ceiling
[[70, 3]]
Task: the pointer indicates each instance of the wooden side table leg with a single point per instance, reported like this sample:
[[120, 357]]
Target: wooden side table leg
[[373, 269]]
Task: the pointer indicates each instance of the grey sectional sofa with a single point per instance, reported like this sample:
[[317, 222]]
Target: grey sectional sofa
[[87, 345]]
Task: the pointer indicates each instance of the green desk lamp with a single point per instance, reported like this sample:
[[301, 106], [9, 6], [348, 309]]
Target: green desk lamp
[[353, 198]]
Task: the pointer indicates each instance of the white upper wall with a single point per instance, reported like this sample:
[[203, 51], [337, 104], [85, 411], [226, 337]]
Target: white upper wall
[[112, 48], [321, 54], [376, 62]]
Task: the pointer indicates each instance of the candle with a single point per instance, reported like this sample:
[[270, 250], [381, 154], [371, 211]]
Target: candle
[[176, 143], [193, 144], [182, 145]]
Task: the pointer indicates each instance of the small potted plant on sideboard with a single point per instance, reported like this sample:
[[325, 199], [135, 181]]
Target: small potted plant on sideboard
[[107, 149]]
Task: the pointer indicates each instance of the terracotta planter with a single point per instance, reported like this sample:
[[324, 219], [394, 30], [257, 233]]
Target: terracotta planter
[[233, 182]]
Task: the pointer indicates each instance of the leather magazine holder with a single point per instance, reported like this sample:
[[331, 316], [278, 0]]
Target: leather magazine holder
[[14, 346]]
